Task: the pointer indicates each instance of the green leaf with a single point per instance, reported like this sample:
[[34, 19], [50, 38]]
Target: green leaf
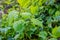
[[42, 34], [19, 26], [51, 2], [4, 30], [24, 3], [56, 32], [29, 33], [33, 9], [40, 2], [57, 18], [19, 35], [13, 15], [0, 37], [57, 13], [26, 15], [36, 22], [51, 11], [52, 39]]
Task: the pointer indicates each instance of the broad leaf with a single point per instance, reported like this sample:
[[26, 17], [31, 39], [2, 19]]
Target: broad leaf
[[13, 15], [57, 13], [33, 9], [19, 26], [36, 22], [26, 15], [56, 32], [24, 3], [52, 39], [42, 34]]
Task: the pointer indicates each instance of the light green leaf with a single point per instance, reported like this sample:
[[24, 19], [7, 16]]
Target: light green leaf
[[52, 39], [33, 9], [19, 26], [26, 15], [13, 15], [57, 13], [24, 3], [36, 22], [42, 34], [56, 32]]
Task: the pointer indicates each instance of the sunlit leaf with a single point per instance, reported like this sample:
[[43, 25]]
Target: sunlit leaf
[[57, 13], [56, 32], [23, 3], [26, 15], [33, 9]]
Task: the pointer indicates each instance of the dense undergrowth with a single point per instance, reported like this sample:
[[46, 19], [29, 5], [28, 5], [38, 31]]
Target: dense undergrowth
[[30, 20]]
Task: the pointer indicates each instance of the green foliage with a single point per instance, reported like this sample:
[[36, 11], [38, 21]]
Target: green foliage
[[53, 39], [26, 15], [43, 35], [36, 22], [19, 26], [24, 3], [30, 20], [57, 13], [34, 9], [12, 16], [56, 32]]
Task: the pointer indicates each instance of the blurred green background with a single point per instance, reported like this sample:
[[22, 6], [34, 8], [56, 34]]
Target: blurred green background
[[29, 19]]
